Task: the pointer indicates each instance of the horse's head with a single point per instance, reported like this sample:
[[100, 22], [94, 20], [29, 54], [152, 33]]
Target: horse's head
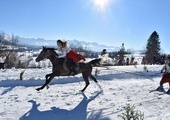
[[46, 53]]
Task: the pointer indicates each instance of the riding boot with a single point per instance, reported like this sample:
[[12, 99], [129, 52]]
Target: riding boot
[[71, 64], [72, 70]]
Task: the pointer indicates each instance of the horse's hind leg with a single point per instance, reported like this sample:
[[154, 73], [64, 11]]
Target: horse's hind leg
[[85, 77], [94, 79]]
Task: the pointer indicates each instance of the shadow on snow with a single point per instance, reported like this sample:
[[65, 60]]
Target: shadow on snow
[[78, 113], [11, 83]]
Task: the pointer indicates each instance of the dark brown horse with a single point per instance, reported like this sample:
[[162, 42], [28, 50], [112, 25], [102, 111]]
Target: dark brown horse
[[59, 67]]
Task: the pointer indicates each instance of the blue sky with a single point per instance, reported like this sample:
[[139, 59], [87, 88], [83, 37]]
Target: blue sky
[[108, 22]]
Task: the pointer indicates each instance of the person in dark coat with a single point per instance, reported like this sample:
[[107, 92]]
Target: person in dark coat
[[103, 52]]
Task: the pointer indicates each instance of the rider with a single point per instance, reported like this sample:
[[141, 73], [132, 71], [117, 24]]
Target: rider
[[103, 52], [71, 55], [166, 75]]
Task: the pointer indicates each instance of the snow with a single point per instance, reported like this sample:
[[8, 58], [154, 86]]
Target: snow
[[62, 101]]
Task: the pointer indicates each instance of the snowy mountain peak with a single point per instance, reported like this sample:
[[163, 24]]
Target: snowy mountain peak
[[86, 45]]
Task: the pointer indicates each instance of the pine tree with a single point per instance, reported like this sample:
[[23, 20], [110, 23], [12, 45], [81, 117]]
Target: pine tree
[[122, 52], [153, 48]]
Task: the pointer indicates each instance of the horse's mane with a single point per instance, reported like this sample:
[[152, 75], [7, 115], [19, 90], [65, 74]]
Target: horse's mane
[[51, 49]]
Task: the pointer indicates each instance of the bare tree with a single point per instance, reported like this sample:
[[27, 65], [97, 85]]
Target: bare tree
[[8, 47]]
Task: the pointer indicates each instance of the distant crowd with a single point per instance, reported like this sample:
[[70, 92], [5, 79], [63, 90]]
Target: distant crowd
[[145, 61]]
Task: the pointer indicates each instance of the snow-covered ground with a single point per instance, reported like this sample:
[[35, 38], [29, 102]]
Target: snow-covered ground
[[121, 85]]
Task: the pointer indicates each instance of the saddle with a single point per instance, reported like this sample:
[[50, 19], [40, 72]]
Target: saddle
[[71, 69]]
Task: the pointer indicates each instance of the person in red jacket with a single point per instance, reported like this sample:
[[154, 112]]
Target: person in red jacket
[[71, 55], [166, 76]]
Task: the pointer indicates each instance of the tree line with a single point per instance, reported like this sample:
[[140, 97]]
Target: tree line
[[9, 49], [152, 51]]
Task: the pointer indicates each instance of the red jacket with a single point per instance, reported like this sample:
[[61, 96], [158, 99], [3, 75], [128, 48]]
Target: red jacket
[[75, 56]]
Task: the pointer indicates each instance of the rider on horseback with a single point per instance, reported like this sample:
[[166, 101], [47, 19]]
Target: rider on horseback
[[72, 56]]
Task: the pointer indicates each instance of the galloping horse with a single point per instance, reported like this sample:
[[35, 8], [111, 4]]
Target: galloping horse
[[59, 68]]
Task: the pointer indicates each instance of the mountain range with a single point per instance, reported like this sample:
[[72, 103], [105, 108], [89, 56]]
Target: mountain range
[[93, 46]]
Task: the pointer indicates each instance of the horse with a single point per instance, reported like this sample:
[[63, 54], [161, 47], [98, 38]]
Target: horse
[[59, 67]]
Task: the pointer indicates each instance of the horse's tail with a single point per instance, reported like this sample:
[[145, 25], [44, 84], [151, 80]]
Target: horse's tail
[[95, 62]]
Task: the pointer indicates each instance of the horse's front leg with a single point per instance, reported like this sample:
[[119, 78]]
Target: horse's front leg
[[51, 76], [46, 77]]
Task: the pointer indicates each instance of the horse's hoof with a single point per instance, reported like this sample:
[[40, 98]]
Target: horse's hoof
[[81, 91], [47, 87], [38, 89]]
